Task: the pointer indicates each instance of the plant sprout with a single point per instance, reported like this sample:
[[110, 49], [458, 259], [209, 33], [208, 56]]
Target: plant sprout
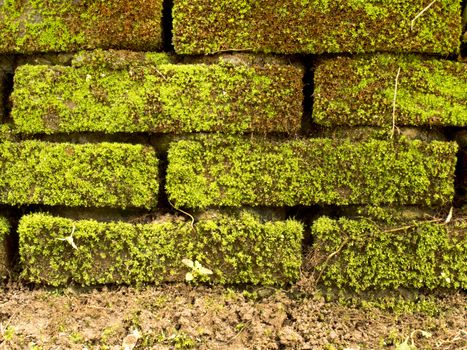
[[197, 270]]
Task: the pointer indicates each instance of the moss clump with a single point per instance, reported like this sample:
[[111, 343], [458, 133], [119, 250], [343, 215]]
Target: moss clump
[[370, 255], [7, 132], [108, 92], [360, 91], [53, 26], [238, 249], [4, 263], [238, 171], [92, 175], [315, 26]]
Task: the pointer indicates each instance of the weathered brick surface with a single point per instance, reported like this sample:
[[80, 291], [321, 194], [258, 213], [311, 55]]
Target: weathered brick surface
[[237, 249], [297, 26], [360, 91], [92, 175], [234, 172], [52, 26], [128, 92]]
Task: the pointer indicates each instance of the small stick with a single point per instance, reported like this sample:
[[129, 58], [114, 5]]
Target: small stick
[[184, 212], [325, 264], [394, 104], [403, 228], [449, 218], [421, 13], [162, 75]]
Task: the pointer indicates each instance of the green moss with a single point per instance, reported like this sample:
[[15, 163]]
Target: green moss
[[92, 175], [125, 92], [360, 91], [319, 26], [238, 249], [371, 255], [4, 263], [401, 302], [52, 26], [235, 171], [7, 132]]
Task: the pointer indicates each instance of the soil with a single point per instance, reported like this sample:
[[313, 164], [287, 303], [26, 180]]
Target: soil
[[182, 316]]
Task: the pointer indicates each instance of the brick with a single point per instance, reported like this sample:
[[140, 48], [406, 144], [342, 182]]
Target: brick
[[237, 249], [90, 175], [238, 171], [315, 27], [114, 92], [360, 91], [373, 255], [4, 261], [55, 26]]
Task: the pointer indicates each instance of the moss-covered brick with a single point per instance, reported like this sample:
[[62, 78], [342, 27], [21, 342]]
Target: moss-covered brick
[[28, 26], [360, 91], [370, 255], [108, 92], [90, 175], [4, 263], [316, 26], [235, 171], [237, 249]]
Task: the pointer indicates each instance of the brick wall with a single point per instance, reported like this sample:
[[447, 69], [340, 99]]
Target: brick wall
[[239, 141]]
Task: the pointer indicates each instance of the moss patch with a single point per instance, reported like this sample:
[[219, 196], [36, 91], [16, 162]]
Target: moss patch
[[4, 263], [238, 249], [360, 91], [52, 26], [374, 255], [315, 26], [92, 175], [235, 171], [109, 92]]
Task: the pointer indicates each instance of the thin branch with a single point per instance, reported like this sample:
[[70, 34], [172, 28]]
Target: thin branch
[[449, 218], [421, 13], [394, 103], [330, 256], [240, 332], [184, 212], [404, 228], [162, 75]]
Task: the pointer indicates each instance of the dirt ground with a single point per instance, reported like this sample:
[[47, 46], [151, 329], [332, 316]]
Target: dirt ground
[[181, 316]]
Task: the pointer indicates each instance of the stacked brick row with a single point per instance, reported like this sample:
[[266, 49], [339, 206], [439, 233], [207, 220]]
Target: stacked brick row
[[238, 143]]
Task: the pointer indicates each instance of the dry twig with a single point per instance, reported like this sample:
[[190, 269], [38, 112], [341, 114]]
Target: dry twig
[[394, 103], [420, 13], [184, 212], [329, 257]]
